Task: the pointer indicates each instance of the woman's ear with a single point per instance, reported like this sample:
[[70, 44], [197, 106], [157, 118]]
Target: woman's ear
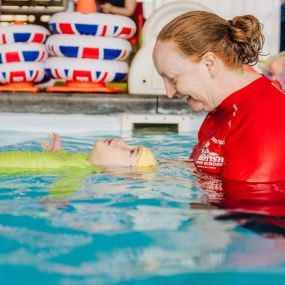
[[210, 61]]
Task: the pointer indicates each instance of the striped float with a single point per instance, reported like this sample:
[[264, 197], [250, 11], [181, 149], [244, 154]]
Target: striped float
[[82, 46], [23, 52], [23, 33], [85, 70], [21, 72], [97, 24]]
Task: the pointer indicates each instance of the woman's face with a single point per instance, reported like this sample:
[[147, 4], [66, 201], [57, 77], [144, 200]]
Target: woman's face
[[183, 77], [114, 152]]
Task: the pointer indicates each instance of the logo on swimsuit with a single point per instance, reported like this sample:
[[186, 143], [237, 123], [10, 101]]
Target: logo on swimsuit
[[211, 158]]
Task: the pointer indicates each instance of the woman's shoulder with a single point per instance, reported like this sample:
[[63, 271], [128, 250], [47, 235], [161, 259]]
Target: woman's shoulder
[[269, 100], [261, 111], [264, 99]]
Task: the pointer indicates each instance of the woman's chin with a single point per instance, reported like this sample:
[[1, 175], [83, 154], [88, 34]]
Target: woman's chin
[[195, 106]]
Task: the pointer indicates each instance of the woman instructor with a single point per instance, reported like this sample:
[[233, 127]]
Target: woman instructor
[[202, 57]]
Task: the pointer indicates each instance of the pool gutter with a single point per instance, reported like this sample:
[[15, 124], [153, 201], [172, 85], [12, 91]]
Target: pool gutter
[[90, 103]]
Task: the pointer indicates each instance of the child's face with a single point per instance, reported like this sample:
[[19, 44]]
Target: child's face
[[114, 152]]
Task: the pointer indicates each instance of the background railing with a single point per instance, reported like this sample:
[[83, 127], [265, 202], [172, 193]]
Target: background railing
[[32, 6], [30, 11]]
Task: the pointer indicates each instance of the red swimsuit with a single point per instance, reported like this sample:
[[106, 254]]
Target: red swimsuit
[[244, 137]]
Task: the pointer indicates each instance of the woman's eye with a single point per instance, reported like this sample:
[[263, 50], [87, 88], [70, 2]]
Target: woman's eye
[[132, 151]]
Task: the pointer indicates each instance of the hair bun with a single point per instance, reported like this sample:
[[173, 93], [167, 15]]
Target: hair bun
[[230, 23]]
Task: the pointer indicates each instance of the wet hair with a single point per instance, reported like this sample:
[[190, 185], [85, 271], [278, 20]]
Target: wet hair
[[236, 42]]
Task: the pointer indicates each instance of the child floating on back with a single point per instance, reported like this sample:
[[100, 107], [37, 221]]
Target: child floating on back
[[108, 152]]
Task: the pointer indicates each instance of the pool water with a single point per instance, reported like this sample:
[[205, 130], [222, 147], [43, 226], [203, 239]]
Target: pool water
[[116, 229]]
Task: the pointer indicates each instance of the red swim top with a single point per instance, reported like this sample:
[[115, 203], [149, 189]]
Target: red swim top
[[244, 137]]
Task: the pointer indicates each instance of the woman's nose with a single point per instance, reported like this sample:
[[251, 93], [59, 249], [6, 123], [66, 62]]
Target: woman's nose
[[170, 90]]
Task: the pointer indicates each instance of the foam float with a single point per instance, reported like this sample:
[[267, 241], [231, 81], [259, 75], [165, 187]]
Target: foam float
[[21, 74], [82, 46], [96, 24], [88, 50], [22, 52], [27, 33], [85, 73]]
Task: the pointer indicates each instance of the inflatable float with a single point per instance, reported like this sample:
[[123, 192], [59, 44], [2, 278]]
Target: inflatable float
[[96, 24], [88, 49], [21, 72], [82, 46], [23, 52], [86, 70], [24, 33], [81, 70]]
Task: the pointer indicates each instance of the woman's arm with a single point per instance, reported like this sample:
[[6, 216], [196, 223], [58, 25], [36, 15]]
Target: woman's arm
[[127, 10]]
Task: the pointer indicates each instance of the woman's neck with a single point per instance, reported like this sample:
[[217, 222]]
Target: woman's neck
[[229, 81]]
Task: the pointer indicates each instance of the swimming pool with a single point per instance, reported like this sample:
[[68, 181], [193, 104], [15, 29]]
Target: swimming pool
[[118, 230]]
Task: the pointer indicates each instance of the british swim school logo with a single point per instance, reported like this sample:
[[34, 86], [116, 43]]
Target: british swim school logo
[[211, 157]]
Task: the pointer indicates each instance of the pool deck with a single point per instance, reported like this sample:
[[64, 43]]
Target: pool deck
[[90, 103]]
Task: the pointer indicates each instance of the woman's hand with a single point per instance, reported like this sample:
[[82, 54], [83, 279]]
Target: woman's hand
[[106, 8], [54, 145]]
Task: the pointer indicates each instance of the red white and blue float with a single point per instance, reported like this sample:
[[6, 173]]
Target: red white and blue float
[[82, 46], [23, 34], [88, 49], [21, 72], [96, 24], [22, 53], [86, 70]]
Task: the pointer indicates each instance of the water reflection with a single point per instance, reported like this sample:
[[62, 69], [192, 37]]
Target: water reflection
[[258, 209]]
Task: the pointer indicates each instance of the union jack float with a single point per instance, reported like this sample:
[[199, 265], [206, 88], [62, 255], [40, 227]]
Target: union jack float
[[23, 33], [85, 70], [21, 72], [84, 46], [97, 24], [23, 52]]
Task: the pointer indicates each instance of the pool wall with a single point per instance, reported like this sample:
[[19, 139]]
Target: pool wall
[[90, 112], [80, 123]]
